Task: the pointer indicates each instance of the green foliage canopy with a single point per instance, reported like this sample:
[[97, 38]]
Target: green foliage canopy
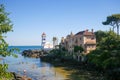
[[5, 23], [99, 35], [78, 48], [5, 26], [113, 20], [107, 54]]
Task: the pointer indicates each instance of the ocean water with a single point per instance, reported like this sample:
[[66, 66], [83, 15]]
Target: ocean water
[[22, 48], [35, 68]]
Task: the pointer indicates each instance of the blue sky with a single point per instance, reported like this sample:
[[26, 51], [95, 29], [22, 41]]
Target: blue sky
[[56, 18]]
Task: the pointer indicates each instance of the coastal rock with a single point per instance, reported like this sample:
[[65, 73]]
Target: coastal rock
[[19, 77], [33, 53]]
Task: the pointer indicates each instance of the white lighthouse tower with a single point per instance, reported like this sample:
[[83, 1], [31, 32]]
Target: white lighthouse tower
[[43, 39]]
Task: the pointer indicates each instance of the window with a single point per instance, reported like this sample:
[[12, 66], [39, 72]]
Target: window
[[88, 46], [76, 41], [88, 37], [92, 38]]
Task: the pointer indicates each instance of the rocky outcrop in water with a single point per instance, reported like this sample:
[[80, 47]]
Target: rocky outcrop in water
[[19, 77], [33, 53]]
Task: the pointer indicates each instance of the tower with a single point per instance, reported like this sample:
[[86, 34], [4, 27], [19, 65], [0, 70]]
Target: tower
[[55, 42], [43, 39]]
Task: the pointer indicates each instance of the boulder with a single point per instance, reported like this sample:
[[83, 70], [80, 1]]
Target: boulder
[[31, 53], [19, 77]]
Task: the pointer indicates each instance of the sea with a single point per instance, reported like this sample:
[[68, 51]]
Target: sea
[[35, 68], [22, 48]]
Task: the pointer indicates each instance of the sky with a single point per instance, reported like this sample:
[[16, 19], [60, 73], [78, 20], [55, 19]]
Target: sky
[[57, 18]]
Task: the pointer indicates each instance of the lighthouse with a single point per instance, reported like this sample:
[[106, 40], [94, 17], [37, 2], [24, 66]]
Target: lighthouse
[[43, 39]]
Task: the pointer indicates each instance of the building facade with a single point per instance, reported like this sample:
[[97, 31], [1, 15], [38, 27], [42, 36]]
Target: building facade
[[85, 39]]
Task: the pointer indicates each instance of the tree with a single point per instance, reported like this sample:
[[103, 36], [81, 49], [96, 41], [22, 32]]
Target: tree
[[113, 20], [107, 55], [110, 42], [99, 35], [78, 48], [5, 26]]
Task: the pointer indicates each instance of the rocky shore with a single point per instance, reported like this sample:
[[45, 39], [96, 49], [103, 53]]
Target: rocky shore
[[34, 53], [19, 77]]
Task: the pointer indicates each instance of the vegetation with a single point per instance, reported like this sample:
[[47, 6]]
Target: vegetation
[[62, 54], [99, 35], [113, 20], [78, 49], [106, 58], [107, 55], [59, 55], [60, 58], [5, 26]]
